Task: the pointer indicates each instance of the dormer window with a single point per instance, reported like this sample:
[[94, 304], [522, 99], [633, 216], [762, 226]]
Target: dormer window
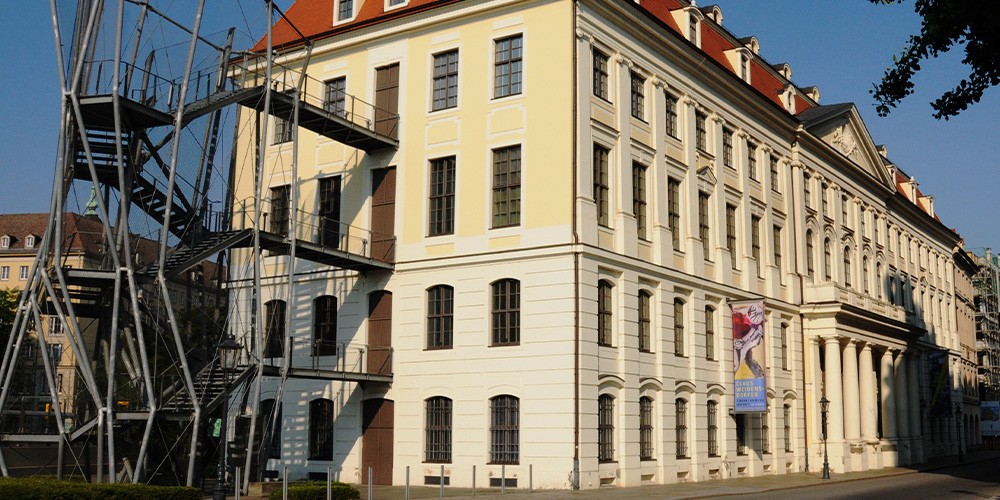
[[745, 68], [29, 242], [345, 10], [693, 29], [5, 241]]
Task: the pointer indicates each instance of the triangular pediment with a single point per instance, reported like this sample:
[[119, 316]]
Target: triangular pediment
[[707, 175], [840, 126]]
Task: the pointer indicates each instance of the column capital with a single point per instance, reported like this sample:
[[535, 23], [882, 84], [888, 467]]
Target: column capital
[[831, 338], [584, 36], [852, 342], [866, 346]]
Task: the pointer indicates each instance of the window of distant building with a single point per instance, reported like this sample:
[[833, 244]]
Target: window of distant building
[[441, 219], [24, 273], [507, 186], [646, 428], [4, 241], [507, 66], [600, 74], [440, 320], [29, 241], [504, 430], [5, 273], [445, 81], [437, 430], [605, 428], [638, 96], [506, 312]]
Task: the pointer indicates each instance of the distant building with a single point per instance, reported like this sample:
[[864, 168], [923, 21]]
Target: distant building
[[987, 290]]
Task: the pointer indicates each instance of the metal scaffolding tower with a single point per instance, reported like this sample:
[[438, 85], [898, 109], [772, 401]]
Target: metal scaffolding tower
[[987, 289], [146, 97]]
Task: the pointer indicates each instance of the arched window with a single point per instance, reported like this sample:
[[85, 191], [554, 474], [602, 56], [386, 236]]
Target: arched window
[[810, 254], [645, 342], [713, 428], [325, 325], [274, 329], [604, 313], [646, 428], [437, 440], [847, 266], [680, 407], [765, 431], [679, 327], [504, 430], [827, 260], [440, 310], [878, 280], [321, 429], [506, 311], [605, 428], [864, 273]]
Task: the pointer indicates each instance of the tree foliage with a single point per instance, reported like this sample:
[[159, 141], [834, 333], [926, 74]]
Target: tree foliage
[[974, 24], [9, 298]]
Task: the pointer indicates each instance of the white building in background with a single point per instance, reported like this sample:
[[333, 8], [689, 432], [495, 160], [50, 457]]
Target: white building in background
[[580, 192]]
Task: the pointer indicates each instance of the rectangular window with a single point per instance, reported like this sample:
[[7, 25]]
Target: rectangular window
[[437, 445], [784, 346], [646, 428], [600, 74], [507, 65], [727, 148], [674, 211], [713, 429], [336, 96], [5, 273], [810, 254], [282, 131], [825, 200], [638, 94], [442, 197], [445, 80], [506, 312], [644, 322], [605, 428], [775, 176], [329, 211], [787, 420], [701, 131], [639, 198], [671, 126], [55, 326], [755, 242], [507, 186], [24, 273], [765, 432], [504, 430], [709, 333], [681, 427], [281, 207], [731, 233], [440, 319], [777, 249], [703, 228], [678, 327], [807, 190], [843, 209], [601, 184], [346, 9], [752, 161]]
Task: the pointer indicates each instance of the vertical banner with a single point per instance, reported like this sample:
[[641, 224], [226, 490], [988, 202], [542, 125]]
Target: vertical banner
[[749, 356]]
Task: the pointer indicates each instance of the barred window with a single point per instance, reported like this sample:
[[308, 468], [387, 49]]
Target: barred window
[[679, 327], [445, 80], [321, 429], [440, 308], [682, 428], [674, 211], [504, 430], [506, 312], [605, 428], [731, 234], [639, 198], [507, 66], [703, 227], [604, 313], [441, 219], [507, 186], [274, 329], [646, 428], [709, 333], [713, 429], [601, 183], [437, 441], [727, 148], [701, 131], [644, 322], [755, 242], [787, 420], [765, 432], [638, 94], [600, 74], [671, 125]]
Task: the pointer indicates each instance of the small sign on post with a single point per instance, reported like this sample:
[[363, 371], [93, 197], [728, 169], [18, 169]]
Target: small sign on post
[[216, 426]]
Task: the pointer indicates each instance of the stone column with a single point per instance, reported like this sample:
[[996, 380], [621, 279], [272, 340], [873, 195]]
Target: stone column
[[852, 410], [815, 376], [902, 397], [888, 390], [834, 389], [869, 406], [913, 386]]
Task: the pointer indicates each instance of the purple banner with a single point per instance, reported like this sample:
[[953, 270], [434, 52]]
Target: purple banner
[[749, 355]]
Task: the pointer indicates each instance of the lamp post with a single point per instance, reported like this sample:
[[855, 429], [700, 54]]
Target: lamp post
[[958, 428], [228, 350], [824, 406]]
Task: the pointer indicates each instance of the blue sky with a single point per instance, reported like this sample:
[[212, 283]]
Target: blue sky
[[842, 46]]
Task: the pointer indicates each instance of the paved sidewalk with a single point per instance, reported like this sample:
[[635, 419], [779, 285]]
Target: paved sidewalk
[[705, 489]]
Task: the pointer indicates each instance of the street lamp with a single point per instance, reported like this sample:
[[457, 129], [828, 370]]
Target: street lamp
[[958, 427], [228, 351], [824, 406]]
